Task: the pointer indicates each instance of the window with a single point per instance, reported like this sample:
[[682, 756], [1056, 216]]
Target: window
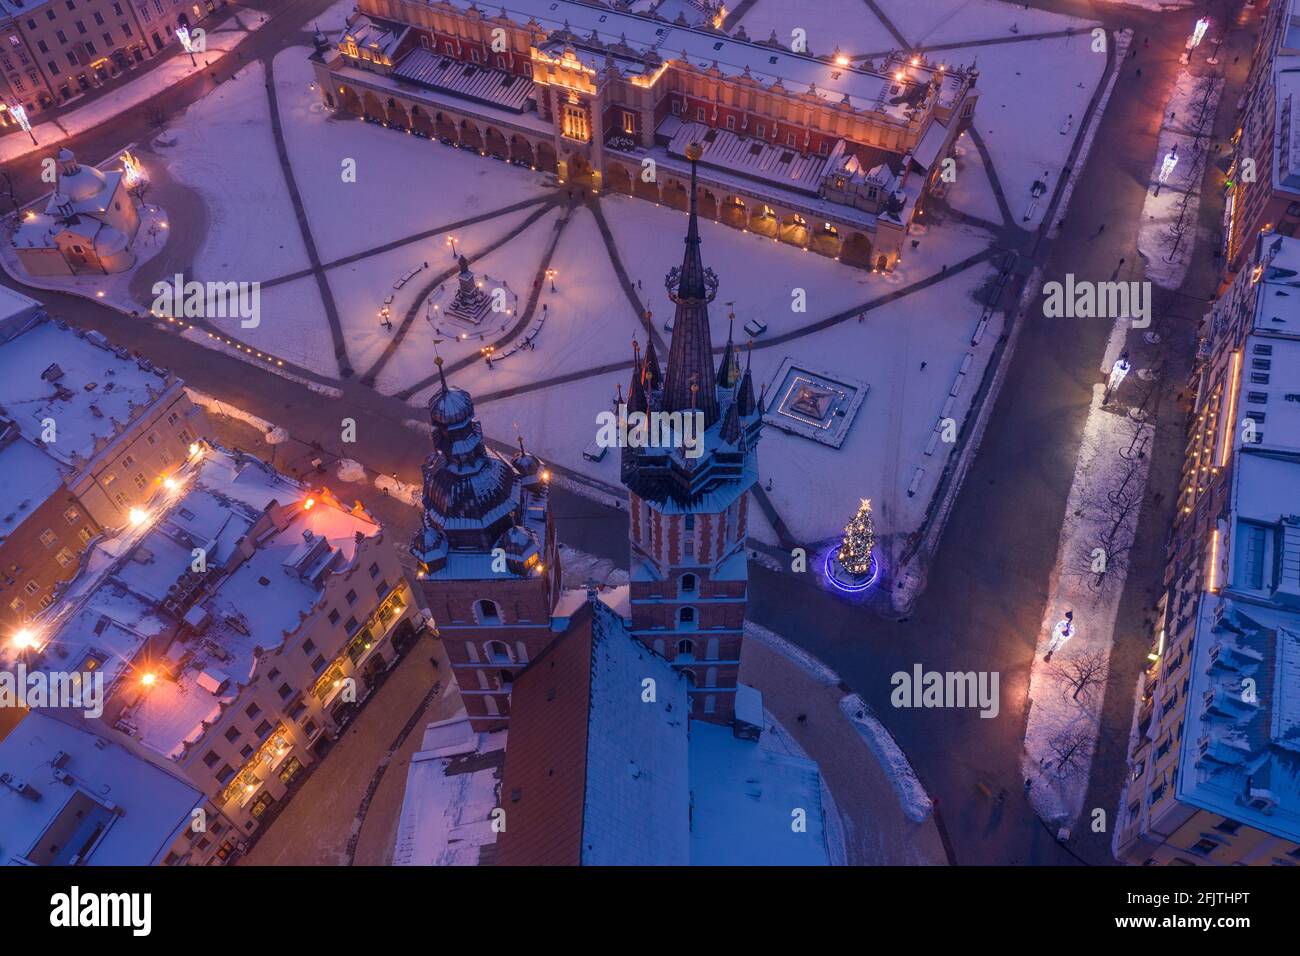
[[498, 652], [351, 626], [629, 123], [760, 130], [351, 597], [308, 646], [42, 46], [49, 14], [81, 26], [263, 729], [285, 692], [1206, 846], [334, 617], [252, 710], [374, 571], [233, 734], [210, 759], [731, 122], [381, 589], [487, 612], [63, 37], [576, 124], [99, 19], [66, 558], [49, 538], [689, 583], [686, 617], [685, 647], [309, 728], [699, 113], [1227, 826], [225, 773], [318, 664]]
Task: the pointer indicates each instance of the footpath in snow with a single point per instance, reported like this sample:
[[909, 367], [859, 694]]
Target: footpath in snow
[[1101, 517], [1167, 235]]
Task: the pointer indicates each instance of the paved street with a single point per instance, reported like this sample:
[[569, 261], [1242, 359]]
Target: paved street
[[988, 581]]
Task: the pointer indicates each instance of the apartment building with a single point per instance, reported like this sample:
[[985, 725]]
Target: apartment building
[[1263, 183], [817, 151], [55, 50], [71, 797], [238, 622], [1214, 752], [88, 433]]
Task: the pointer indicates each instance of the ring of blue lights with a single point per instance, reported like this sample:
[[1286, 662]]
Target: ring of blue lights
[[835, 574]]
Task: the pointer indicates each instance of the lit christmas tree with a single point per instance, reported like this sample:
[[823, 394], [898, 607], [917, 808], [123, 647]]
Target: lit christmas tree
[[854, 555]]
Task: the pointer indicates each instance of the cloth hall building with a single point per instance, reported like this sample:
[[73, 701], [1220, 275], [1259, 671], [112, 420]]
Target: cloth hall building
[[813, 149]]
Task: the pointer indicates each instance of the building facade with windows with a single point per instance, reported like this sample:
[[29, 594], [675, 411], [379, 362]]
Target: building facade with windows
[[88, 432], [54, 50], [813, 150], [1214, 752], [238, 622]]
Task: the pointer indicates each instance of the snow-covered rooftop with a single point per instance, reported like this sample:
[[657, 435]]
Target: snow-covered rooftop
[[77, 379], [451, 790], [137, 589], [1241, 752], [484, 84], [68, 796], [28, 476]]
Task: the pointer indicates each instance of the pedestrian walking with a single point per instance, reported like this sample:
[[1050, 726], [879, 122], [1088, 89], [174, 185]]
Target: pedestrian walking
[[923, 365], [1101, 229], [1139, 73], [862, 317]]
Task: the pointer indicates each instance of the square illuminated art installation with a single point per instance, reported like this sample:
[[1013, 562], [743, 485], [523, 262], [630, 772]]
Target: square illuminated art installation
[[815, 404]]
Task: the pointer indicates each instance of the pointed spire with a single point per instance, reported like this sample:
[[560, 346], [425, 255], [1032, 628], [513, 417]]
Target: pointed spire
[[654, 378], [745, 398], [731, 421], [690, 356], [442, 376], [636, 393], [729, 367]]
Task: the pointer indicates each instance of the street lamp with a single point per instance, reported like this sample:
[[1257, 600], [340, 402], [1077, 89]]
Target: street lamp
[[1118, 371], [451, 241], [1198, 33], [550, 274], [20, 114], [183, 34], [1167, 166]]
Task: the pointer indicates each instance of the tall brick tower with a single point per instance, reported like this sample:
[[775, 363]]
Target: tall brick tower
[[488, 564], [689, 509]]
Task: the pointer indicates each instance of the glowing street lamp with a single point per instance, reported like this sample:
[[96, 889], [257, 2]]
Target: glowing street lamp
[[1198, 33], [149, 679], [132, 171], [20, 114], [138, 516], [1118, 372], [183, 34], [451, 241], [550, 274], [1167, 166], [24, 639]]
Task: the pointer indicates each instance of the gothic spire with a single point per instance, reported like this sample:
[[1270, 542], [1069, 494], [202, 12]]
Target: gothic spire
[[691, 287], [636, 393], [746, 397], [729, 367], [654, 377]]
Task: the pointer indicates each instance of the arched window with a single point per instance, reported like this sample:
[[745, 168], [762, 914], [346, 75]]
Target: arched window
[[710, 704], [685, 648], [686, 617], [487, 612], [498, 652], [690, 676], [689, 583], [711, 677], [712, 651]]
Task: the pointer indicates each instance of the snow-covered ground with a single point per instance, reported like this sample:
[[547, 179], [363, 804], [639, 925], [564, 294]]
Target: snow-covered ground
[[1187, 126], [133, 92], [1101, 514], [908, 351], [932, 22]]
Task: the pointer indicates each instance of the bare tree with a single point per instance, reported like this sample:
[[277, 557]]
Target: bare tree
[[1083, 674], [1071, 751]]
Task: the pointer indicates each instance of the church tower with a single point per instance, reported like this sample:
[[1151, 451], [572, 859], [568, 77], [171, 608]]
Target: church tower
[[488, 564], [688, 497]]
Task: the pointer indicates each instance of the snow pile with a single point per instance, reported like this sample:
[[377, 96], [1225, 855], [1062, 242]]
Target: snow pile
[[226, 410], [797, 655], [350, 470], [916, 803], [1169, 220]]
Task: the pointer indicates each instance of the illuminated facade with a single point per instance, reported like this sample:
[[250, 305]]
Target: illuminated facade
[[54, 51], [1213, 778], [814, 151]]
